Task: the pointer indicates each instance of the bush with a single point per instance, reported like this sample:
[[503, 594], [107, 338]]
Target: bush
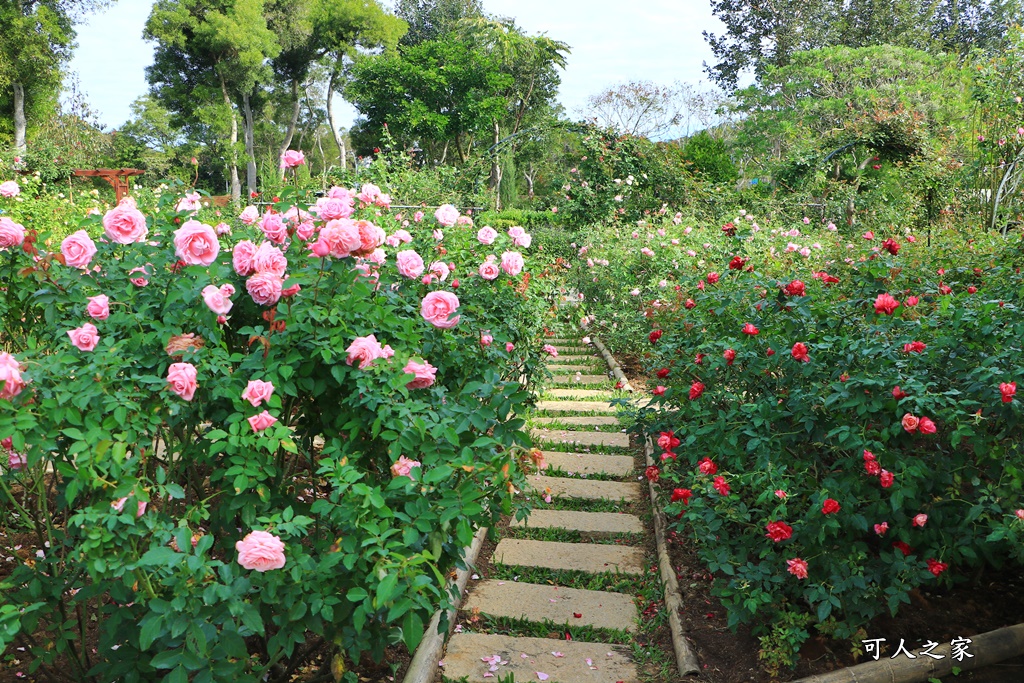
[[140, 457]]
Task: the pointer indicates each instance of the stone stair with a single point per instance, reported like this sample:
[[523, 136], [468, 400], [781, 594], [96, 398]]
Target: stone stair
[[566, 435]]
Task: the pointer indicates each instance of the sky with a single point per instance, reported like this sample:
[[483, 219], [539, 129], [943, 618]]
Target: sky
[[612, 42]]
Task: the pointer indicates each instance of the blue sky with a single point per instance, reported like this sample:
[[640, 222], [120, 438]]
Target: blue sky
[[612, 42]]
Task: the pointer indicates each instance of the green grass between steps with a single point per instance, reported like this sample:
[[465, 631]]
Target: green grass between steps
[[568, 578], [571, 536], [559, 447], [594, 476], [522, 628]]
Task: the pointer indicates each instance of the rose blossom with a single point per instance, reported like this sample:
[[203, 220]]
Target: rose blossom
[[85, 337], [268, 259], [926, 426], [365, 350], [486, 340], [797, 567], [886, 478], [331, 208], [520, 237], [403, 467], [424, 372], [11, 383], [341, 238], [196, 243], [437, 308], [125, 224], [696, 389], [140, 281], [78, 249], [446, 215], [98, 307], [910, 423], [16, 461], [779, 531], [368, 193], [707, 466], [291, 159], [721, 486], [261, 421], [182, 378], [1007, 390], [9, 188], [190, 202], [489, 270], [11, 234], [885, 303], [261, 551], [919, 520], [249, 215], [370, 237], [140, 507], [486, 235], [440, 269], [258, 391], [880, 529], [272, 225], [512, 263], [216, 301], [409, 263], [241, 257], [800, 352], [264, 288], [936, 567], [830, 506], [509, 346]]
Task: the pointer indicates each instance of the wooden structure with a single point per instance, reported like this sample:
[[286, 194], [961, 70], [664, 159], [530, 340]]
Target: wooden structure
[[118, 177]]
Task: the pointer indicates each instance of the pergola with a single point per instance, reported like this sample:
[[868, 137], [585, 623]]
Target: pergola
[[118, 177]]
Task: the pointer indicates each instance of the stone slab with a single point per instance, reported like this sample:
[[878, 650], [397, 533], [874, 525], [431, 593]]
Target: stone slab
[[593, 421], [586, 489], [580, 393], [589, 463], [584, 557], [465, 650], [539, 603], [588, 522], [581, 379], [616, 439], [576, 407]]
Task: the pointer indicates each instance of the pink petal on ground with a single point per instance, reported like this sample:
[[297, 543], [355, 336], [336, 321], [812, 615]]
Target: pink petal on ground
[[557, 654], [542, 676]]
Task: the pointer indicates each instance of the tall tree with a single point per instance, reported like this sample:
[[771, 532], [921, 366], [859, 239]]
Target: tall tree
[[434, 19]]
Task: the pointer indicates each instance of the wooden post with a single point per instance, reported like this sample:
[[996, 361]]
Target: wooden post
[[117, 177]]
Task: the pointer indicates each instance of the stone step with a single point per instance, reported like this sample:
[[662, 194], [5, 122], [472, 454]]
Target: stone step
[[539, 603], [586, 489], [581, 379], [616, 439], [465, 651], [588, 463], [594, 421], [583, 557], [589, 522], [576, 407], [580, 394]]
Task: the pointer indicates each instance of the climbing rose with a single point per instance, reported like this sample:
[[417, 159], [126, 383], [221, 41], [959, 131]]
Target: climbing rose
[[910, 423], [365, 350], [729, 356], [706, 466], [654, 336], [85, 337], [886, 478], [78, 249], [446, 215], [261, 551], [936, 567], [926, 426], [125, 224], [437, 308], [424, 372], [779, 531], [196, 243], [11, 234], [796, 288], [182, 378], [216, 301], [486, 235], [409, 263], [800, 352], [830, 506], [652, 473], [885, 303], [880, 529], [98, 307], [721, 486], [1007, 389], [292, 159], [920, 520], [797, 567], [682, 494], [696, 389], [750, 329], [258, 391], [261, 421], [404, 466]]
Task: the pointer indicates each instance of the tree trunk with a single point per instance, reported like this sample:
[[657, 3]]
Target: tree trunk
[[250, 163], [294, 120], [495, 179], [19, 117], [338, 140], [528, 174], [236, 188]]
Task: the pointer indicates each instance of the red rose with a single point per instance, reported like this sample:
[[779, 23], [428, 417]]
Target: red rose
[[926, 426], [885, 303], [655, 336], [885, 478], [663, 373], [971, 289], [770, 352], [914, 347], [800, 352], [696, 389], [796, 288], [936, 567], [729, 356], [891, 246], [898, 393], [712, 278], [721, 486], [872, 467], [906, 549], [652, 473], [911, 301], [1007, 389], [667, 455], [683, 495], [737, 263], [690, 303], [667, 441], [779, 531], [944, 289], [659, 390], [750, 329], [707, 467], [830, 506], [699, 358]]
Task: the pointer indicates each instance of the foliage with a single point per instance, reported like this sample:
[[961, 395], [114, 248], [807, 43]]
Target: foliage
[[710, 158], [434, 19], [366, 549]]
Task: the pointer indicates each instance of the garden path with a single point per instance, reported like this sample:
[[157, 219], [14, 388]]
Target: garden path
[[578, 536]]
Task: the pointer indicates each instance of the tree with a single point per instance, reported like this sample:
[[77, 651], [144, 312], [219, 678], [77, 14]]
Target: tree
[[759, 34], [434, 19]]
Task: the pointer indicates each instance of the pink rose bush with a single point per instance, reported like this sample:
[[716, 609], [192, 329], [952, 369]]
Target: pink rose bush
[[9, 189], [125, 224], [437, 309], [447, 215], [11, 234], [196, 243], [261, 551], [85, 337], [424, 373]]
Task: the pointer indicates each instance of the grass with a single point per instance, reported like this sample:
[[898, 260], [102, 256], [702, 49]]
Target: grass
[[571, 536], [559, 447], [522, 628], [594, 476], [588, 505], [569, 578]]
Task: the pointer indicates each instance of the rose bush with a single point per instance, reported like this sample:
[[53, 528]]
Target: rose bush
[[872, 399], [250, 400]]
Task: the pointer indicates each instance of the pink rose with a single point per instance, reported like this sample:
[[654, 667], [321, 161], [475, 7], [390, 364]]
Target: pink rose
[[190, 202], [272, 225], [16, 461], [216, 301], [512, 263], [797, 567], [140, 281], [11, 234], [11, 383], [182, 378], [365, 350], [249, 215], [438, 235], [409, 263], [222, 229], [440, 269], [264, 288], [78, 249], [241, 257], [486, 340], [926, 426], [227, 289], [424, 372], [292, 159], [399, 237], [404, 466], [125, 224], [98, 307], [486, 235], [509, 346], [341, 193], [910, 423], [417, 217], [289, 292], [919, 520], [261, 421], [489, 270], [880, 529], [140, 507], [446, 215], [377, 256], [437, 308], [550, 350], [368, 193], [258, 391], [269, 259], [520, 237], [370, 237], [331, 208], [342, 236], [85, 337], [261, 551], [305, 230], [196, 243], [9, 188]]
